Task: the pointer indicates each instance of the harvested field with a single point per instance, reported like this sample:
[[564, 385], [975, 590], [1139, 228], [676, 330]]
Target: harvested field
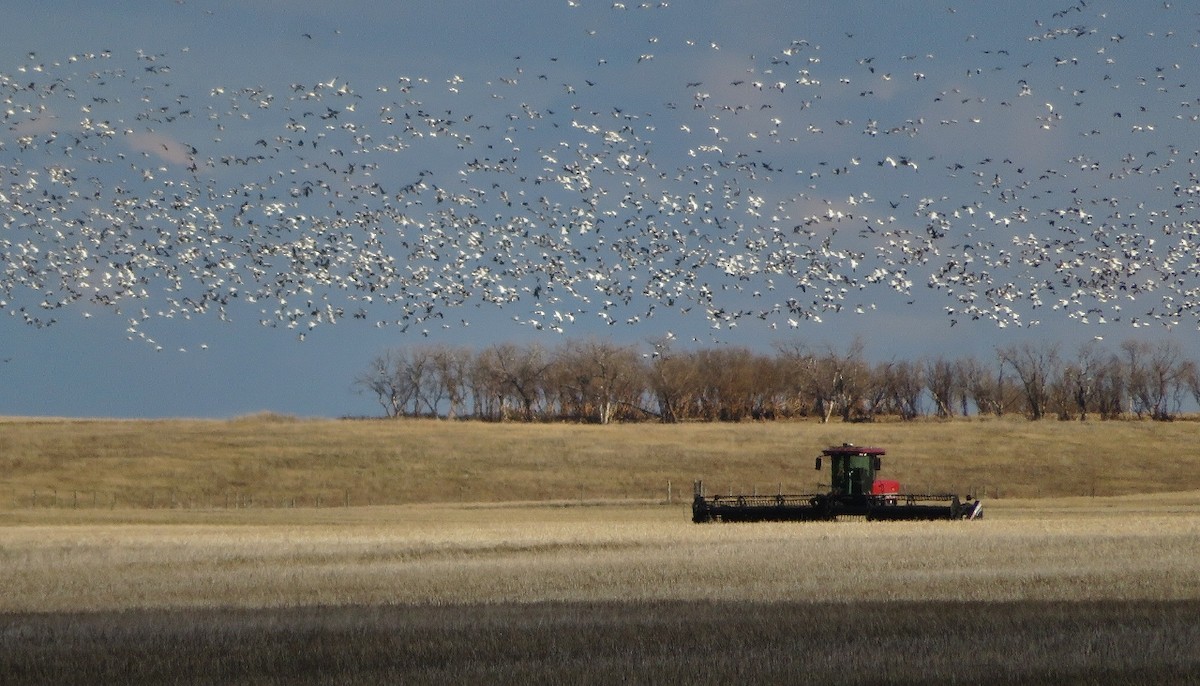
[[1083, 590]]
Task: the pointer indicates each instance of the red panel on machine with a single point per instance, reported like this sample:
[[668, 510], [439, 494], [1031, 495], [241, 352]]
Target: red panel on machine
[[885, 487]]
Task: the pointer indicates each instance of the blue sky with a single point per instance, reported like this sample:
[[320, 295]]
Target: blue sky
[[926, 155]]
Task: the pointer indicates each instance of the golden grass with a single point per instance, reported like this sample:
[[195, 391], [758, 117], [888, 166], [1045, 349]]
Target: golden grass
[[441, 555], [283, 461]]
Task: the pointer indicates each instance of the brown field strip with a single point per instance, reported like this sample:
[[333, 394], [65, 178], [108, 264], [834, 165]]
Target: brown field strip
[[661, 642]]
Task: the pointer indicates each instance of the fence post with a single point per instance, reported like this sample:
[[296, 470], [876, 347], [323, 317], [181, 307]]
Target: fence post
[[668, 491]]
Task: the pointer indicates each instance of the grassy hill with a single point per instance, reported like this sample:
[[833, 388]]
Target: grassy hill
[[268, 460]]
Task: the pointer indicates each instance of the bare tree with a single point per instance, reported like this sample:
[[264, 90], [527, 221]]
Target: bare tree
[[878, 397], [1082, 380], [1059, 400], [726, 383], [597, 379], [1157, 377], [452, 365], [1034, 365], [903, 384], [486, 388], [795, 364], [567, 386], [770, 388], [1191, 378], [851, 377], [425, 385], [672, 380], [941, 378], [837, 381], [517, 372], [988, 388], [387, 378], [1111, 384]]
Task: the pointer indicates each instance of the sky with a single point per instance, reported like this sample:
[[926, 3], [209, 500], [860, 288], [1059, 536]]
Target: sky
[[218, 208]]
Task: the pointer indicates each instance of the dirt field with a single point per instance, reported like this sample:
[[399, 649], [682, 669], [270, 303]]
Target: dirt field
[[1079, 590]]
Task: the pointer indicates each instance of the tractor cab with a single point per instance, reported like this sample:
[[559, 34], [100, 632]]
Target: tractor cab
[[852, 471]]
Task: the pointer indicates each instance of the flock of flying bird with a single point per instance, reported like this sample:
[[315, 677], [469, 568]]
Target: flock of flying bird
[[1057, 172]]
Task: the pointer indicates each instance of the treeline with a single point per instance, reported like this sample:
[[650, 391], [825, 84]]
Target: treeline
[[597, 381]]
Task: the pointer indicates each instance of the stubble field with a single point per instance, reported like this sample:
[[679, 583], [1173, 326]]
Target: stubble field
[[1070, 589]]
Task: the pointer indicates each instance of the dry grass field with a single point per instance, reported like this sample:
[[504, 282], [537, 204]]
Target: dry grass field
[[280, 461], [503, 577]]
